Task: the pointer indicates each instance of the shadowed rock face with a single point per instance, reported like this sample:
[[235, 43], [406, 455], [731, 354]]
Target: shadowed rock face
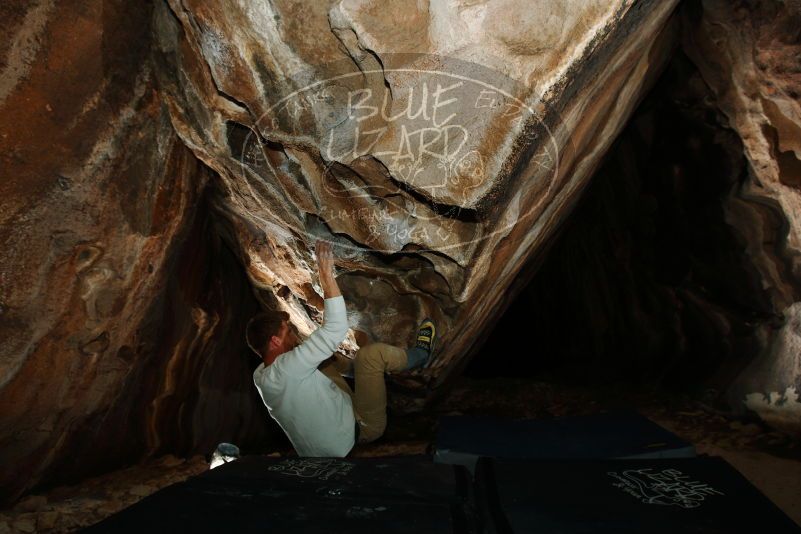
[[438, 144], [748, 54], [647, 273]]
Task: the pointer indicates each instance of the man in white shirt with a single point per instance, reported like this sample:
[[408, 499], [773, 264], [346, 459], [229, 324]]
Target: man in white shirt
[[316, 408]]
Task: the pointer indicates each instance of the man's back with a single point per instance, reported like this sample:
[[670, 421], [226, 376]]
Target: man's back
[[314, 413]]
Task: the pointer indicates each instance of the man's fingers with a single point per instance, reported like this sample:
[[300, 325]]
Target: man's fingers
[[324, 250]]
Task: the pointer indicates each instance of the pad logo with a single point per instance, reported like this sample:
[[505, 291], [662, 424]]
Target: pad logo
[[321, 469], [667, 487]]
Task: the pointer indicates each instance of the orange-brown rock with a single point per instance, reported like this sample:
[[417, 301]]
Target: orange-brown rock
[[108, 317]]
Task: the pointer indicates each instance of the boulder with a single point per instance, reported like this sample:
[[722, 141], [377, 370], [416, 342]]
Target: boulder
[[437, 144]]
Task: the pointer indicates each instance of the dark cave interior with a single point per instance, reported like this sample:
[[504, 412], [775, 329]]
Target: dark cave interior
[[646, 283]]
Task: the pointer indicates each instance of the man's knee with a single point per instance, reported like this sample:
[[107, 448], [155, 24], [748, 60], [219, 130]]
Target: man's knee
[[369, 357]]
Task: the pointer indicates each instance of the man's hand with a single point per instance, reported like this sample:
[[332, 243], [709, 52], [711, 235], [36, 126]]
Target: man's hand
[[325, 266]]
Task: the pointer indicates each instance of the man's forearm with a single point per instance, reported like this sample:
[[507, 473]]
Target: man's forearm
[[329, 284]]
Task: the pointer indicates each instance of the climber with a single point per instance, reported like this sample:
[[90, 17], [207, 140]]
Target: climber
[[315, 407]]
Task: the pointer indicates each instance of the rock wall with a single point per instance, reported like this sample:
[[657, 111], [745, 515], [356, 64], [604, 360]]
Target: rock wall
[[748, 54], [111, 307], [438, 144]]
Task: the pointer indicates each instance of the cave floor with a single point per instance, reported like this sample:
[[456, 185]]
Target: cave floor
[[770, 460]]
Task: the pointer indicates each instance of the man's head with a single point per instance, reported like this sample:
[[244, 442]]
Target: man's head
[[270, 334]]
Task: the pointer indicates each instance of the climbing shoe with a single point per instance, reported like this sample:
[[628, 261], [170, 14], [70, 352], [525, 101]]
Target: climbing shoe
[[425, 336], [420, 354]]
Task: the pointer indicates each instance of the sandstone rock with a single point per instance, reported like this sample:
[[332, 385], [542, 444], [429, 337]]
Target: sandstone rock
[[25, 523], [141, 490], [47, 521], [748, 54], [31, 503], [439, 149], [171, 461], [97, 200], [112, 507], [751, 430]]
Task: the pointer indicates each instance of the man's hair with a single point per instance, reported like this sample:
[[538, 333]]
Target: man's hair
[[261, 328]]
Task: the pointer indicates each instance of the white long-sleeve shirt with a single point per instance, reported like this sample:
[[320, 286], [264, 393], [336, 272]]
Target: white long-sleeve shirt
[[316, 415]]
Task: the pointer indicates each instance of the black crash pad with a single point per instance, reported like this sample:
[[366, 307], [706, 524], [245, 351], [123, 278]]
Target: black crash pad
[[462, 440], [623, 496], [309, 495]]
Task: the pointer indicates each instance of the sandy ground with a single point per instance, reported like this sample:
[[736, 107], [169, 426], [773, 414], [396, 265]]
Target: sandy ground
[[769, 459]]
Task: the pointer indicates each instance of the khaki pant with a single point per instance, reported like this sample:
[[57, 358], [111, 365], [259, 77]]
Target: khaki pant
[[370, 398]]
